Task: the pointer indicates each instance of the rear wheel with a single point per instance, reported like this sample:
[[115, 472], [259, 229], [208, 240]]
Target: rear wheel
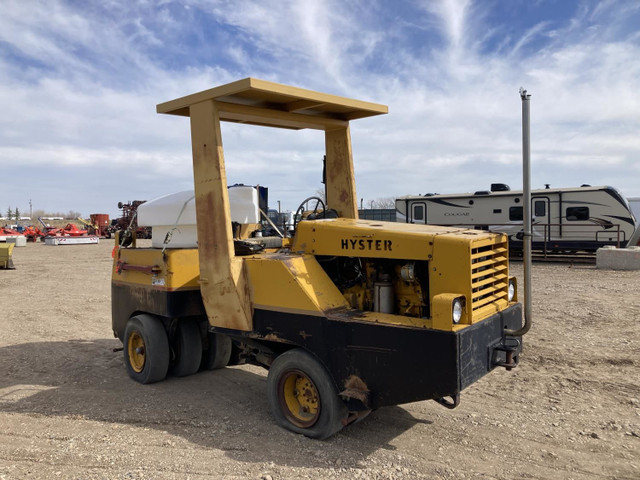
[[303, 397], [146, 349], [218, 353], [186, 348]]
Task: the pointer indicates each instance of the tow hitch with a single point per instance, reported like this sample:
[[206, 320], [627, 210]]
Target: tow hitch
[[506, 353]]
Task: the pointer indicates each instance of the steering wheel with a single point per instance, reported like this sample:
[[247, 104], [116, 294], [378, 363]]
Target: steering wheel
[[304, 208]]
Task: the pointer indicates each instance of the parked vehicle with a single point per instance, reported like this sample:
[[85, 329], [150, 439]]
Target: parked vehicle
[[564, 219], [347, 315], [634, 203], [127, 222]]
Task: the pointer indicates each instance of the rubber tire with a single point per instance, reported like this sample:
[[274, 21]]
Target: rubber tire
[[186, 349], [156, 348], [219, 352], [332, 408]]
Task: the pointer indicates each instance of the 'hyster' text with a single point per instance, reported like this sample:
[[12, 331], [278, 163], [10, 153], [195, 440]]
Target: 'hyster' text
[[362, 244]]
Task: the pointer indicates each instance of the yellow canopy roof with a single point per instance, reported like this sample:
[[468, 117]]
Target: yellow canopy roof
[[259, 102]]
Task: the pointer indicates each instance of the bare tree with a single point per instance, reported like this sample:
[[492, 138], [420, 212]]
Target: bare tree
[[383, 203]]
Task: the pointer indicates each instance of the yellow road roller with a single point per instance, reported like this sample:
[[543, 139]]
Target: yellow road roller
[[347, 315]]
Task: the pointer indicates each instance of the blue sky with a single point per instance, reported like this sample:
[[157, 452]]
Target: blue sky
[[79, 82]]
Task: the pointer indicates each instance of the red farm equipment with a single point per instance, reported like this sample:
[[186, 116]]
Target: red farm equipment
[[128, 220]]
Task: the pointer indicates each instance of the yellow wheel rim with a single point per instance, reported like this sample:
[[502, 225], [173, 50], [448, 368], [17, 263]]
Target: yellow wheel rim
[[136, 350], [299, 398]]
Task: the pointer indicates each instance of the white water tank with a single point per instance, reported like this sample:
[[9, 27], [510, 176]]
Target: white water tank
[[179, 209], [244, 204]]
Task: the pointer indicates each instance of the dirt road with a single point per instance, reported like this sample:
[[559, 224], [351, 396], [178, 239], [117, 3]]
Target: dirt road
[[68, 410]]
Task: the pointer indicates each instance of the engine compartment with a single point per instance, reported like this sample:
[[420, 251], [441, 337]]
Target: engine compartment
[[399, 287]]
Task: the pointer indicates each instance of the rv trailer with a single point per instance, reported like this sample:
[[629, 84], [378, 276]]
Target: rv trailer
[[564, 219], [634, 202]]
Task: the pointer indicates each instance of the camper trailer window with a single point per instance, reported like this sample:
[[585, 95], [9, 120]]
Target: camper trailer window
[[418, 212], [540, 209], [515, 213], [575, 214]]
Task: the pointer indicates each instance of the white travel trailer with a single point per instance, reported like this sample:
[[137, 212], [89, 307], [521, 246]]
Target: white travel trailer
[[635, 206], [564, 219]]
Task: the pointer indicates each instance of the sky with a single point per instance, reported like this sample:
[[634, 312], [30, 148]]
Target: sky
[[80, 80]]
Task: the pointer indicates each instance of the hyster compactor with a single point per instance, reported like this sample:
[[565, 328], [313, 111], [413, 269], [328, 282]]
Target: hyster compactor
[[347, 315]]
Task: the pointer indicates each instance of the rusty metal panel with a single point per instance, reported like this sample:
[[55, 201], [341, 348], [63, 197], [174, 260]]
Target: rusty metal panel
[[341, 185], [222, 277]]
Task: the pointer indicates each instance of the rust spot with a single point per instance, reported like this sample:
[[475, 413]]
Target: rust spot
[[305, 335], [344, 314], [273, 337], [354, 387]]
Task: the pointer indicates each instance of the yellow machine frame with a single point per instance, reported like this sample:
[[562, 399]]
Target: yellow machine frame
[[225, 290], [348, 315]]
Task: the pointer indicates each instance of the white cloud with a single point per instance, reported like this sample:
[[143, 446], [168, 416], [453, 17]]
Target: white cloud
[[453, 15], [82, 98]]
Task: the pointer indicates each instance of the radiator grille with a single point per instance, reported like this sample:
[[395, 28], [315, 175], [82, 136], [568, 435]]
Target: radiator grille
[[489, 278]]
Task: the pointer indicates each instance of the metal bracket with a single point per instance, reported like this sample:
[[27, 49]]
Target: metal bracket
[[446, 403]]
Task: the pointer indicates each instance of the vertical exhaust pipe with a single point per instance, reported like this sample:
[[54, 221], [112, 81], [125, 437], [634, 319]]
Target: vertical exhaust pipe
[[526, 194]]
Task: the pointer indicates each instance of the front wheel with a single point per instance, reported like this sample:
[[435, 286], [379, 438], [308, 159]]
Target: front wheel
[[146, 349], [303, 397]]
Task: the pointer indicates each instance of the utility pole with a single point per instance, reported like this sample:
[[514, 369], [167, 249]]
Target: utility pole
[[30, 209]]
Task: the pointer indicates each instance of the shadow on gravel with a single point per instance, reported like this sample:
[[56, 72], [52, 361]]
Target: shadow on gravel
[[224, 409]]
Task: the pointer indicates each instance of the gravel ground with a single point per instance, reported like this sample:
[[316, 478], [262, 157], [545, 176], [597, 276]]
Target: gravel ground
[[68, 410]]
